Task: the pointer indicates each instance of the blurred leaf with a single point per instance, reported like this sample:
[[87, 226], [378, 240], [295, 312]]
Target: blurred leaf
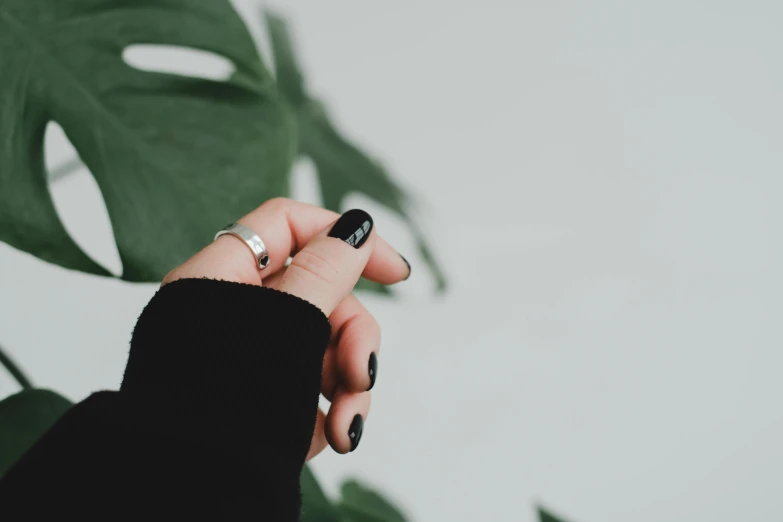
[[287, 72], [319, 514], [316, 506], [546, 516], [365, 285], [175, 157], [24, 418], [360, 504], [342, 168]]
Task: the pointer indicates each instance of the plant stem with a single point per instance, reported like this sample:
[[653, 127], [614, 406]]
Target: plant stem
[[60, 171], [14, 370]]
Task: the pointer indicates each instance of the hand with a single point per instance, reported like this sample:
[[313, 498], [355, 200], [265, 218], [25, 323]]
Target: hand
[[323, 271]]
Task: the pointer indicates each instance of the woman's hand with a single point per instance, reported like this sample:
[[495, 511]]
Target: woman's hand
[[325, 267]]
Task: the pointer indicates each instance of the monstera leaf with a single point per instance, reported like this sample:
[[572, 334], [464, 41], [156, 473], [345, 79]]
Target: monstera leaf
[[24, 417], [342, 168], [175, 157]]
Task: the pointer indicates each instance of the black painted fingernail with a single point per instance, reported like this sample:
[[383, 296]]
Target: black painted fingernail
[[353, 227], [409, 266], [372, 369], [355, 431]]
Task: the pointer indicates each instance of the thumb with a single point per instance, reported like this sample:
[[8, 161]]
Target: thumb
[[325, 271]]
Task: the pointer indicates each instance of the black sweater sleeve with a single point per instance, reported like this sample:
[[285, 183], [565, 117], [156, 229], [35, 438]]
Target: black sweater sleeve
[[213, 419]]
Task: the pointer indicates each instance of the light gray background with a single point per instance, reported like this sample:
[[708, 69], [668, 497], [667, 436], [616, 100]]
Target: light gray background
[[602, 181]]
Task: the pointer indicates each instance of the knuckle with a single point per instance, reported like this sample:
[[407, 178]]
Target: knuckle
[[316, 265], [279, 203]]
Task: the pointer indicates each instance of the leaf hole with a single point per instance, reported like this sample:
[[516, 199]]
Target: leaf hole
[[78, 200], [305, 185], [183, 61]]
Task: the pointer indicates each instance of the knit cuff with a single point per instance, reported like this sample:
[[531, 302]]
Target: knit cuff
[[231, 366]]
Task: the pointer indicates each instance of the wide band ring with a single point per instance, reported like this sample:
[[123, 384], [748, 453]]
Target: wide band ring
[[251, 239]]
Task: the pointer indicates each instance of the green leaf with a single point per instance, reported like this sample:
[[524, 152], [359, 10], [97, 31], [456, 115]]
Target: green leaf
[[175, 158], [546, 516], [287, 72], [341, 166], [361, 504], [316, 506], [365, 285], [24, 418]]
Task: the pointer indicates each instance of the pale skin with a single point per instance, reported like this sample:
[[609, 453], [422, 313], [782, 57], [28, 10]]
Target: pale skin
[[323, 271]]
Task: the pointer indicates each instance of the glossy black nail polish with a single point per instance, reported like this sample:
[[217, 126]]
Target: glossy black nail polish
[[372, 369], [353, 227], [409, 266], [355, 431]]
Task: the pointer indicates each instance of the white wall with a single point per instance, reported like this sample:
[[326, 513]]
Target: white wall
[[603, 182]]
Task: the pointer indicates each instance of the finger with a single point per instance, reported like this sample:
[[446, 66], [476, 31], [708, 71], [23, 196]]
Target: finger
[[227, 259], [345, 421], [356, 342], [325, 271], [330, 378], [319, 436], [286, 226]]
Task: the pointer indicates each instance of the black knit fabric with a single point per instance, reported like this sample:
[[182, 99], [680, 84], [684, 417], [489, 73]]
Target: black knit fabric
[[213, 419]]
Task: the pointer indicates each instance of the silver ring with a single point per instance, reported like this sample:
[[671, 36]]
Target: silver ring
[[252, 240]]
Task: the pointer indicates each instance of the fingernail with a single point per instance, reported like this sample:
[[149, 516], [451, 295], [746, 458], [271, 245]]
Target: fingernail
[[353, 227], [372, 369], [409, 267], [355, 431]]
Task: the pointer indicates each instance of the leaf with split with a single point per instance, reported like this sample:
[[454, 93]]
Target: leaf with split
[[175, 157], [341, 166]]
